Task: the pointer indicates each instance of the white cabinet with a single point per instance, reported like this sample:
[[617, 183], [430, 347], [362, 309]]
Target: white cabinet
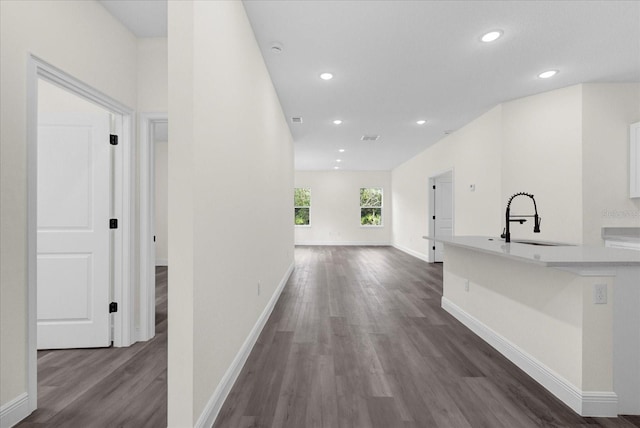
[[634, 160]]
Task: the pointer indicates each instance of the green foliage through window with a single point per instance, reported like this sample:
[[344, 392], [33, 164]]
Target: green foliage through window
[[302, 204], [371, 206]]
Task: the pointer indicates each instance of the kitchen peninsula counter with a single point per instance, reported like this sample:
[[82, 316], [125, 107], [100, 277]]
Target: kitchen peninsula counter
[[556, 255], [569, 316]]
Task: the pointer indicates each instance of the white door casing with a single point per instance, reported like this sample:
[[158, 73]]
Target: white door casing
[[443, 211], [73, 259], [124, 209]]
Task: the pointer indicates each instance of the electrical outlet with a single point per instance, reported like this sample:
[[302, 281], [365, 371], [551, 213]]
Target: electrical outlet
[[600, 294], [466, 285], [258, 288]]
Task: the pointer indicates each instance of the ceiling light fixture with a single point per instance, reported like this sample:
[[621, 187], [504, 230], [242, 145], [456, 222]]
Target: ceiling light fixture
[[341, 150], [336, 167], [326, 76], [338, 160], [421, 122], [337, 122], [491, 36], [547, 74]]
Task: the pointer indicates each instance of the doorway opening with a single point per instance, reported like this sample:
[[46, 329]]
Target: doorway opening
[[154, 138], [71, 160], [441, 212]]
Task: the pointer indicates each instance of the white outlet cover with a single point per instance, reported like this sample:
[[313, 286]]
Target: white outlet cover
[[600, 294]]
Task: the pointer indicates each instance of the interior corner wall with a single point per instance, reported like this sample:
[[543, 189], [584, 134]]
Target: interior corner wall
[[230, 197], [335, 208], [474, 154], [57, 33], [608, 110], [542, 155]]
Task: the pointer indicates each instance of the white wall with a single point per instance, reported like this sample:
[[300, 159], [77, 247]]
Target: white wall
[[474, 154], [542, 155], [608, 110], [57, 33], [161, 202], [230, 197], [335, 208], [152, 74]]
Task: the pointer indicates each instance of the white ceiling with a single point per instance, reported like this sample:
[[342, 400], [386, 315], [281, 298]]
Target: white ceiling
[[145, 18], [399, 61]]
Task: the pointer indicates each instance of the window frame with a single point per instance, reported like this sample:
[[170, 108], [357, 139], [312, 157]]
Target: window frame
[[295, 207], [381, 207]]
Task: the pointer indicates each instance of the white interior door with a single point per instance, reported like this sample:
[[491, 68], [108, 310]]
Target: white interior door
[[73, 240], [443, 211]]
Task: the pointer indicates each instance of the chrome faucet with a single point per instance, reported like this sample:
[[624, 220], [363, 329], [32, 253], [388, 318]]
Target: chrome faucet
[[519, 218]]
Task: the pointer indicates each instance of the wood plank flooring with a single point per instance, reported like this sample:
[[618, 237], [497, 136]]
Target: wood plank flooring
[[358, 339], [106, 387]]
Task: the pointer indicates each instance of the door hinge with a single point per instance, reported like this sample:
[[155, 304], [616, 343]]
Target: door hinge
[[434, 217], [113, 223], [154, 238], [434, 248], [113, 307], [434, 187], [113, 140]]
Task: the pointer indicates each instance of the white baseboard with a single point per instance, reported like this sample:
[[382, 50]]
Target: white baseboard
[[14, 411], [413, 253], [345, 243], [162, 262], [214, 405], [591, 403]]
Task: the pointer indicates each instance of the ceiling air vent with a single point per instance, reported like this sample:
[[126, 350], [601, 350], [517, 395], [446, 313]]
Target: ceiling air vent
[[296, 120], [369, 137]]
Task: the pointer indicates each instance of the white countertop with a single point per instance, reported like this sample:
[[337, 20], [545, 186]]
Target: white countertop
[[557, 256]]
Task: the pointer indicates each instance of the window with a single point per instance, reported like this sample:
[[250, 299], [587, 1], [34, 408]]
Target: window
[[371, 206], [302, 204]]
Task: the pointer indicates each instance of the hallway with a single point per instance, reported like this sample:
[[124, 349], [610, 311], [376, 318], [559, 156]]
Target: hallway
[[358, 339]]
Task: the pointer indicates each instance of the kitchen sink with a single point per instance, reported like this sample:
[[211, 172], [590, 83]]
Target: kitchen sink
[[541, 243]]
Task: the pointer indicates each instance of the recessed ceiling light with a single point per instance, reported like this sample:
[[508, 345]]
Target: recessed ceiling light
[[547, 74], [491, 36], [338, 160], [341, 150], [336, 167], [326, 76], [421, 122], [337, 122]]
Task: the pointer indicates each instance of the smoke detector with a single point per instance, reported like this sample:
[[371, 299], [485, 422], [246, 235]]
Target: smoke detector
[[296, 120]]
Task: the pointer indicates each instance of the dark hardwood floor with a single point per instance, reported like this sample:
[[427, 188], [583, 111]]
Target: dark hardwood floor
[[358, 339], [106, 387]]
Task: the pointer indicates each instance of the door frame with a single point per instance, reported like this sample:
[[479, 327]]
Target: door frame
[[431, 209], [147, 257], [123, 293]]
